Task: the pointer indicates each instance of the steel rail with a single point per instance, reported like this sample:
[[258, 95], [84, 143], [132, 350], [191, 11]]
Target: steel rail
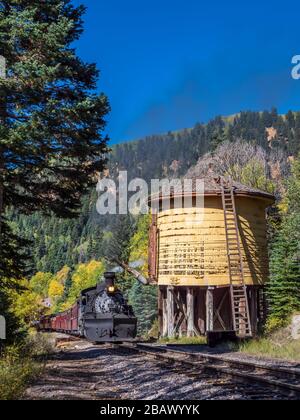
[[279, 378]]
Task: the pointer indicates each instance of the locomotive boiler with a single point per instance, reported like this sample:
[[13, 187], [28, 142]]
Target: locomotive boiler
[[101, 314]]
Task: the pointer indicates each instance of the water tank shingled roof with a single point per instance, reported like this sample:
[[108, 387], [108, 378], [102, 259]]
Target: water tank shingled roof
[[212, 186]]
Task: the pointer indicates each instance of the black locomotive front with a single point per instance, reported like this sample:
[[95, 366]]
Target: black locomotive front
[[104, 315]]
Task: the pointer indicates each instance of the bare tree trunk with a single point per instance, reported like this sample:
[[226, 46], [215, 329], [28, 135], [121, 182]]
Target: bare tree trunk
[[1, 189], [2, 123]]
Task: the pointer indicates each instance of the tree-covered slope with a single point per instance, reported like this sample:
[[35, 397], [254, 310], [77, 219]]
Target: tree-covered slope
[[57, 242]]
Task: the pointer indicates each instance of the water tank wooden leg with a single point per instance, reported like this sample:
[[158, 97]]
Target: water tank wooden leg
[[165, 319], [160, 310], [253, 309], [170, 311], [190, 311], [210, 309]]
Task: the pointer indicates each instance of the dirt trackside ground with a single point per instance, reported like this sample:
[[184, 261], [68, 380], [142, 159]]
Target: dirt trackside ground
[[82, 371]]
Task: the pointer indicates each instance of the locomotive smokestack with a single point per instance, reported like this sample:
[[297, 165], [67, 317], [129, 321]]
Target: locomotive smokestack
[[109, 278]]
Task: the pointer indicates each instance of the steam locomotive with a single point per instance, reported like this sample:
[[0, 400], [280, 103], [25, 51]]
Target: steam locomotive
[[101, 314]]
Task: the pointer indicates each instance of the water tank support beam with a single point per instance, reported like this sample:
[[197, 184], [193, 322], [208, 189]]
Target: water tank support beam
[[254, 309], [190, 301], [210, 309], [165, 318], [160, 312], [170, 311], [217, 312]]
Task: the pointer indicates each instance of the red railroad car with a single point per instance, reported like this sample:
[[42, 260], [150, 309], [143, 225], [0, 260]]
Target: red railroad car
[[66, 321]]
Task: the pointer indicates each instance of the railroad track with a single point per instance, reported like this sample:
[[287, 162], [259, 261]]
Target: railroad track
[[282, 380]]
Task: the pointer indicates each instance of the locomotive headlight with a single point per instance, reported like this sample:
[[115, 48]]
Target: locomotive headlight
[[111, 289]]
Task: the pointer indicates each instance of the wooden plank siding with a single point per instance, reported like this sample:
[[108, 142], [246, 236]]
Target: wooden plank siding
[[194, 254]]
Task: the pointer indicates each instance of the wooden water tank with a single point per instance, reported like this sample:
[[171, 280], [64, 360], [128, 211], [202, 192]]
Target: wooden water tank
[[185, 253]]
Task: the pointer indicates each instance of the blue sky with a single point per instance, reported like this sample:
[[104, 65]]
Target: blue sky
[[168, 64]]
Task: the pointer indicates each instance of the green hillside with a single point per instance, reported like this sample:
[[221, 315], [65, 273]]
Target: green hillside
[[56, 242]]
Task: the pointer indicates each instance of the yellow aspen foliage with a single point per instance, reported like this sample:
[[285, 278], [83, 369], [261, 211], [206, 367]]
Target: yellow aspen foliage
[[64, 306], [139, 244], [26, 305], [55, 291], [253, 174], [85, 275], [39, 283], [283, 206], [62, 275]]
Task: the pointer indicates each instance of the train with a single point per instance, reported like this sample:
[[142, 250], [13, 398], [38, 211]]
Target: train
[[101, 314]]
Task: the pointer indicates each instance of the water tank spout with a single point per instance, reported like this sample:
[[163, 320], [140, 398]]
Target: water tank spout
[[136, 274]]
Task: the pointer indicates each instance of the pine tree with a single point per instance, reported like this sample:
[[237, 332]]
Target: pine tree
[[51, 121], [218, 137], [14, 256], [291, 119], [122, 230], [144, 302], [267, 119], [284, 287]]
